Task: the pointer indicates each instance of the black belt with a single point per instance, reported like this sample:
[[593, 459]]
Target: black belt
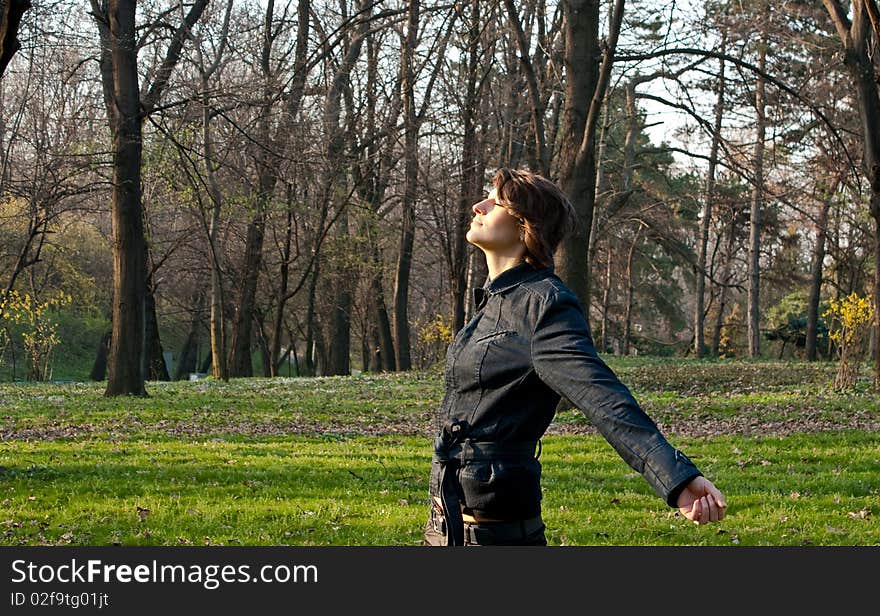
[[490, 533], [451, 456]]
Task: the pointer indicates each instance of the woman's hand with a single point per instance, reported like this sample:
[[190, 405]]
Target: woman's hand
[[701, 502]]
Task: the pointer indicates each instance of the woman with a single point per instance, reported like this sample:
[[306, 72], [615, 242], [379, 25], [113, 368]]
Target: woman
[[527, 345]]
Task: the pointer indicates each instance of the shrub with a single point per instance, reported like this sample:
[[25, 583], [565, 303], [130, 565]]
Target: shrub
[[24, 316], [851, 318]]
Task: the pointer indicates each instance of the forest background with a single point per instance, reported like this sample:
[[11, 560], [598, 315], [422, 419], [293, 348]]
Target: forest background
[[243, 188]]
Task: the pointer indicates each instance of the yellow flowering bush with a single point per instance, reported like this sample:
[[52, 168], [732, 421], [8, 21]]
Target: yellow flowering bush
[[733, 324], [434, 337], [437, 331], [26, 315], [850, 318]]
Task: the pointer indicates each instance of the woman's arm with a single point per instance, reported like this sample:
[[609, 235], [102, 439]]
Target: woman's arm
[[565, 359]]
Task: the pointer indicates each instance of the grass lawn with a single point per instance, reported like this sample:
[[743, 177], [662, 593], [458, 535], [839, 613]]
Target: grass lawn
[[345, 461]]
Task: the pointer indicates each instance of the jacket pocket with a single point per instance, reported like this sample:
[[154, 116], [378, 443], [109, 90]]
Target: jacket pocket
[[506, 358], [497, 334], [506, 489]]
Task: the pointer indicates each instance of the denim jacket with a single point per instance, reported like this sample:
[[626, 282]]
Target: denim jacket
[[527, 345]]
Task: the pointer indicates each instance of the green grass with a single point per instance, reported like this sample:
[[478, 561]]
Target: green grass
[[345, 461], [804, 489], [275, 491]]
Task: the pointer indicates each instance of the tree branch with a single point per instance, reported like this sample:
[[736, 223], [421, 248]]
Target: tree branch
[[148, 101], [841, 21], [610, 45], [534, 91], [754, 69]]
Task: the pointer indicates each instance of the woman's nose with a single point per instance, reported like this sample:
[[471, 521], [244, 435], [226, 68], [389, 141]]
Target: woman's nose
[[480, 207]]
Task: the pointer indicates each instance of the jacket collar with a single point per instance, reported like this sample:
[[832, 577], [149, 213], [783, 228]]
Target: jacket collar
[[507, 279]]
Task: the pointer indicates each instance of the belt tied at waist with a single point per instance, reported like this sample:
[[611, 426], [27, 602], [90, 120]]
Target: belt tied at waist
[[451, 454]]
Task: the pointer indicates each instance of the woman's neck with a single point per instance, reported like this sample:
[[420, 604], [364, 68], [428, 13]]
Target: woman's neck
[[498, 263]]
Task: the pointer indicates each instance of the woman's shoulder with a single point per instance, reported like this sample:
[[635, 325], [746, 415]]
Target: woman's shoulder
[[548, 287], [548, 297]]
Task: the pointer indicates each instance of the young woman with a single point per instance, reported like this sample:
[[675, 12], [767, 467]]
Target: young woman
[[527, 345]]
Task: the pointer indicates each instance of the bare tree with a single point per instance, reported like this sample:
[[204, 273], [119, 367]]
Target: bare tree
[[207, 68], [127, 106], [860, 39], [541, 159], [754, 317], [585, 85], [413, 118], [706, 218], [816, 267], [472, 167], [271, 152], [411, 166], [372, 175], [340, 342]]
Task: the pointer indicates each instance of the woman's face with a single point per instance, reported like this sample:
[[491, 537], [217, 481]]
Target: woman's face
[[493, 228]]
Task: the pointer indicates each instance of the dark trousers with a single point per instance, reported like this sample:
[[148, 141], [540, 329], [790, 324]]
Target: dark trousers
[[517, 532]]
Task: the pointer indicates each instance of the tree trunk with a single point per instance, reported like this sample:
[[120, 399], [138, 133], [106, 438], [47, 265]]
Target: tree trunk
[[816, 266], [320, 351], [269, 159], [292, 353], [99, 367], [154, 359], [339, 349], [754, 316], [410, 189], [338, 353], [706, 220], [372, 182], [126, 375], [220, 367], [381, 340], [857, 42], [126, 109], [188, 359], [240, 364], [11, 12], [283, 277], [217, 324], [632, 133], [603, 185], [723, 291], [585, 86], [311, 368], [606, 300], [240, 354], [471, 173], [875, 211], [510, 150], [263, 343], [577, 165], [541, 159], [630, 293]]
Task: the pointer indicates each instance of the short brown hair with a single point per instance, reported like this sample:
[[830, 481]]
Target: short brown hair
[[543, 212]]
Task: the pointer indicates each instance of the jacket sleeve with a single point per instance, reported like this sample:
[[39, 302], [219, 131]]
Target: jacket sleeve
[[565, 359]]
